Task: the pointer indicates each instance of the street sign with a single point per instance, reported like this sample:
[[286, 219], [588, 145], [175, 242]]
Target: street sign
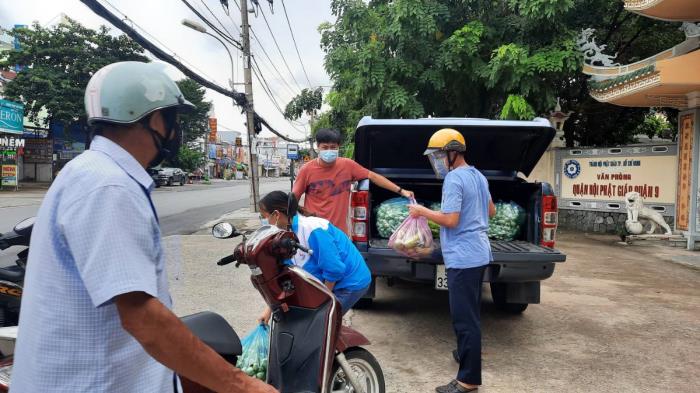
[[11, 117], [293, 152]]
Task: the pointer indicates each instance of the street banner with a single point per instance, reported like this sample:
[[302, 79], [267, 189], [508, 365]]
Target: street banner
[[11, 117]]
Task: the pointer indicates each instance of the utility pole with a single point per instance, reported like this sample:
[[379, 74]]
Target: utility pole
[[250, 114]]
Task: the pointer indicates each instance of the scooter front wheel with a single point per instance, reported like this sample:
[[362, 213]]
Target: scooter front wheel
[[367, 372]]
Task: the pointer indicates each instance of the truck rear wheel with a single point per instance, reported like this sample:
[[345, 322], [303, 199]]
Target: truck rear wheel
[[498, 293]]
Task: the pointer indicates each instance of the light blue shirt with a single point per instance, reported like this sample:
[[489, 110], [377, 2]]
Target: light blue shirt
[[96, 237], [466, 191]]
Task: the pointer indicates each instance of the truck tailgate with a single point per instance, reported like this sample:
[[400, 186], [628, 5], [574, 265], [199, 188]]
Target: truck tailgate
[[503, 251]]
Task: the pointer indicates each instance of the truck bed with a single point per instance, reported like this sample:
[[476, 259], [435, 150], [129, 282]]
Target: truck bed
[[503, 251]]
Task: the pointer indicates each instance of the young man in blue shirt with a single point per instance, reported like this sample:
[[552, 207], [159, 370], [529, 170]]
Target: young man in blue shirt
[[464, 222]]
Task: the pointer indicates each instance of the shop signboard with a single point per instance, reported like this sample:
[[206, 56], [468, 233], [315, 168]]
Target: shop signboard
[[38, 151], [11, 117], [610, 178], [212, 129], [9, 175]]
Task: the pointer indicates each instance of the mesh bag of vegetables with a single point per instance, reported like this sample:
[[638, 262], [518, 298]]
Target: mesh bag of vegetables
[[413, 238], [506, 224], [390, 214], [435, 228], [256, 347]]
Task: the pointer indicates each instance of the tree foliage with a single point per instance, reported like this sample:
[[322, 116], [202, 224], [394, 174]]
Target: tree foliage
[[481, 58], [59, 62], [188, 159], [194, 124], [307, 102]]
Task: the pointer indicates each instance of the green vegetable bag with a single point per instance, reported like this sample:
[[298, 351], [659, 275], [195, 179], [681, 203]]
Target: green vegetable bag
[[390, 214], [435, 228], [507, 222], [256, 349]]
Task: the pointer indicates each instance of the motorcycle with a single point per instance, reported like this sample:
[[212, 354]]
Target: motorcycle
[[310, 349], [12, 277], [11, 283]]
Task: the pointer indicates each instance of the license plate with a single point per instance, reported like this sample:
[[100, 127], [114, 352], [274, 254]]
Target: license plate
[[440, 277]]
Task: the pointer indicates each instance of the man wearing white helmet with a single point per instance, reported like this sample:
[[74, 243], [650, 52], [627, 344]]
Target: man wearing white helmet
[[96, 309]]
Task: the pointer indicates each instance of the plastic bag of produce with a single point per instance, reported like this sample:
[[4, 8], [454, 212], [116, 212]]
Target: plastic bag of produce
[[390, 214], [413, 238], [507, 222], [256, 347], [435, 228]]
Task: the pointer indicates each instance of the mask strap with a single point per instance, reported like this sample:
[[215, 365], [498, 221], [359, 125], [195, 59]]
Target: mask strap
[[451, 161]]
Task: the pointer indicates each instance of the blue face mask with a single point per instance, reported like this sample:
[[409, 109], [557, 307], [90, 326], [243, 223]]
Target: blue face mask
[[328, 156], [264, 222]]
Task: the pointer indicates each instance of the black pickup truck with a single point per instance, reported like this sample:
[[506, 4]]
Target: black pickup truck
[[500, 150]]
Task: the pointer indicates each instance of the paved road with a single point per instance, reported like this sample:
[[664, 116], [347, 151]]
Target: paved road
[[612, 319], [182, 210]]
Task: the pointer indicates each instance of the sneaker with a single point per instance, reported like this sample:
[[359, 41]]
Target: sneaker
[[454, 387]]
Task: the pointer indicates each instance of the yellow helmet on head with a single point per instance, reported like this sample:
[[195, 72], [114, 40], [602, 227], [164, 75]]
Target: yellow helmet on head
[[446, 139]]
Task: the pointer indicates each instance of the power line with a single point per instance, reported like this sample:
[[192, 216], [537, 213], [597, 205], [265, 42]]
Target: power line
[[274, 39], [270, 95], [119, 23], [227, 37], [159, 42], [216, 18], [267, 56], [295, 43]]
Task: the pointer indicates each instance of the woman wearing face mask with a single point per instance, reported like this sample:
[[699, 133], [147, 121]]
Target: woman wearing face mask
[[335, 260]]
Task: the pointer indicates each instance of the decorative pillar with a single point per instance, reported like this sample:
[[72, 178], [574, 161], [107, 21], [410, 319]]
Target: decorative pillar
[[688, 199]]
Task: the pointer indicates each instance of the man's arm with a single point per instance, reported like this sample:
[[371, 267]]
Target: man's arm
[[449, 220], [172, 344], [387, 184], [492, 209]]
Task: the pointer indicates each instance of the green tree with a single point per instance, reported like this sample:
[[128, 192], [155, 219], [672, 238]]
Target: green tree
[[195, 125], [414, 58], [188, 159], [59, 62], [307, 102]]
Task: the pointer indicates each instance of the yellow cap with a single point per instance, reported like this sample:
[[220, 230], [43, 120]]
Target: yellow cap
[[447, 139]]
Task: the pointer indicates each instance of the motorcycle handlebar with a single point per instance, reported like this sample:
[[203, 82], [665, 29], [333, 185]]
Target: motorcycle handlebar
[[226, 260]]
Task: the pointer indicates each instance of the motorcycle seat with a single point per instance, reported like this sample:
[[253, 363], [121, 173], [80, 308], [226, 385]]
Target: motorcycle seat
[[214, 331], [12, 273]]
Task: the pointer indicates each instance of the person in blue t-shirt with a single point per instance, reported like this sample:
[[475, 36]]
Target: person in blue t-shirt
[[464, 222], [335, 261]]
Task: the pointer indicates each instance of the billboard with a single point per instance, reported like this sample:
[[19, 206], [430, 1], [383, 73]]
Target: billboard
[[11, 117], [608, 179]]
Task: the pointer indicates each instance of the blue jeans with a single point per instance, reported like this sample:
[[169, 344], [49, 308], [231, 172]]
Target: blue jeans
[[347, 298]]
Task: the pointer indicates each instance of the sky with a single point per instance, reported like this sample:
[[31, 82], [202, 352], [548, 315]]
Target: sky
[[162, 20]]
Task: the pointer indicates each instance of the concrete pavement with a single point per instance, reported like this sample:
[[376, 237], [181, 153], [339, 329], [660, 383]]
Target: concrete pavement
[[612, 319]]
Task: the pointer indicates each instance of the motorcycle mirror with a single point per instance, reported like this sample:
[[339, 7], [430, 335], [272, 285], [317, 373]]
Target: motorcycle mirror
[[24, 225], [224, 230]]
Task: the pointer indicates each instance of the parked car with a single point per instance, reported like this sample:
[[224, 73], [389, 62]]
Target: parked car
[[500, 150], [168, 176], [154, 175]]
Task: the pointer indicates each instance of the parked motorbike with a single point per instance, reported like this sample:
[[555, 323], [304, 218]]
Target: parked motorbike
[[11, 283], [12, 277], [310, 349]]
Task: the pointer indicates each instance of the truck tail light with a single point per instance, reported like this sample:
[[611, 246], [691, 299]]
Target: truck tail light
[[550, 220], [359, 216]]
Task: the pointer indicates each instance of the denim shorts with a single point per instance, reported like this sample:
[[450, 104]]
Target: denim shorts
[[347, 298]]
